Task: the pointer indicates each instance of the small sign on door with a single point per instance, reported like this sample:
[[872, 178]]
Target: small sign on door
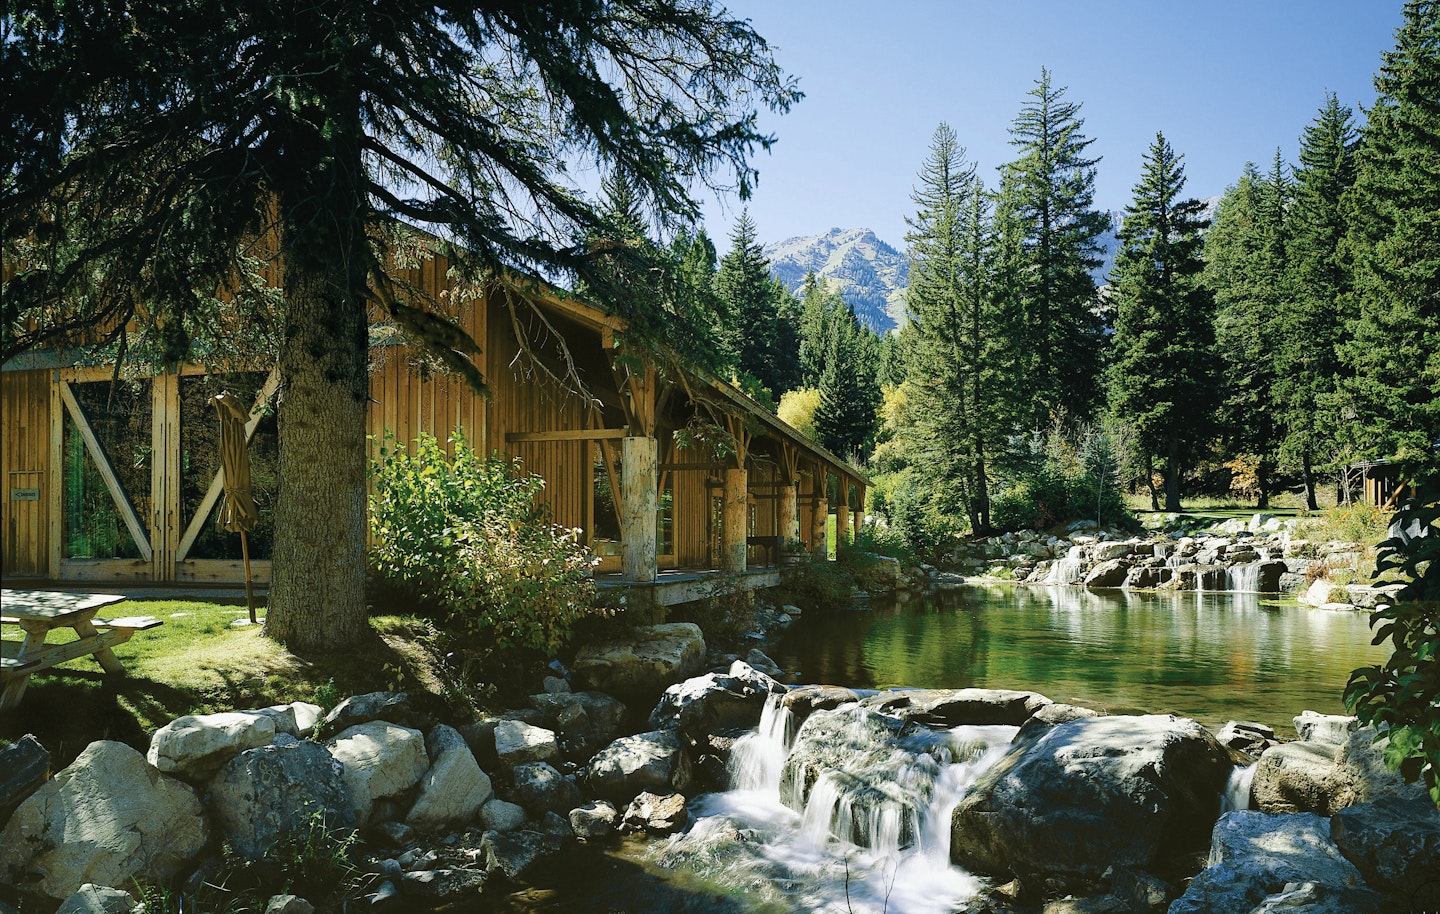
[[24, 494]]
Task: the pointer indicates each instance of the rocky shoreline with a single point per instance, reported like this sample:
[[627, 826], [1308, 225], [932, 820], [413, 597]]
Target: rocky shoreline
[[1084, 812], [1261, 555]]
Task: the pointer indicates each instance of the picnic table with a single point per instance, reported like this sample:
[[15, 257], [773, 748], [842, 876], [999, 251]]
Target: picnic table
[[37, 613]]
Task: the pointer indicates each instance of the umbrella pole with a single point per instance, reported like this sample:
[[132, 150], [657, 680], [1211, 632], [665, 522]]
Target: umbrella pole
[[249, 588]]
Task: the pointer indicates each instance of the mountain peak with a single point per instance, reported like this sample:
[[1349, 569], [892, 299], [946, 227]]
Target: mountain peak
[[870, 274]]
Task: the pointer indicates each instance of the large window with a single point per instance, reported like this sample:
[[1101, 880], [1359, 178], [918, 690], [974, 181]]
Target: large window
[[99, 522]]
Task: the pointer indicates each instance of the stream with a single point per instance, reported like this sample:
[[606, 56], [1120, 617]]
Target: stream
[[846, 815]]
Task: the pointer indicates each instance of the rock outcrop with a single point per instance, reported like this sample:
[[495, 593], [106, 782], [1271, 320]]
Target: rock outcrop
[[1077, 798], [106, 819]]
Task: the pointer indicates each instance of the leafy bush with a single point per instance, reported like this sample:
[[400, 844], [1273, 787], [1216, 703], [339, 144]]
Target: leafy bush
[[463, 538], [917, 514], [1353, 523], [884, 541], [816, 583], [1401, 698]]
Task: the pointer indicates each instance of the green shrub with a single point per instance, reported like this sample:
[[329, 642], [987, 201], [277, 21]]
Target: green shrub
[[884, 541], [463, 538], [816, 583]]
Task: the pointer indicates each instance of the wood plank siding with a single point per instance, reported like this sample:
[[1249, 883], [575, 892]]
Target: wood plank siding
[[557, 400]]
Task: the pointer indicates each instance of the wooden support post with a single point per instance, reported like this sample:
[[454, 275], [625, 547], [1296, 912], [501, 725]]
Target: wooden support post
[[859, 518], [735, 520], [788, 527], [819, 518], [638, 507], [842, 518]]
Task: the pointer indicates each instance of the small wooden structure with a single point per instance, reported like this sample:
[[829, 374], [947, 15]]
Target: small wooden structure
[[118, 482], [1375, 482]]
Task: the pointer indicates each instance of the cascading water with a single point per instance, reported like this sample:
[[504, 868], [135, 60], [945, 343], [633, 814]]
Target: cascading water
[[1243, 578], [848, 813], [1237, 789], [1068, 570]]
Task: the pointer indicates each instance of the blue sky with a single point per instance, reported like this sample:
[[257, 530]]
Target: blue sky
[[1227, 82]]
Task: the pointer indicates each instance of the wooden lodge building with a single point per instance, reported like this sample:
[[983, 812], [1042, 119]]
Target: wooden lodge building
[[117, 483]]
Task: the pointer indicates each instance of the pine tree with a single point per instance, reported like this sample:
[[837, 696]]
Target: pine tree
[[1052, 190], [1246, 269], [1393, 354], [747, 293], [957, 343], [1161, 381], [818, 305], [849, 397], [1311, 317]]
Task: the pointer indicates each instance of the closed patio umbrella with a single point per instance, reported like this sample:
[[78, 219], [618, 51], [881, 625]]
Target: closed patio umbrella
[[237, 510]]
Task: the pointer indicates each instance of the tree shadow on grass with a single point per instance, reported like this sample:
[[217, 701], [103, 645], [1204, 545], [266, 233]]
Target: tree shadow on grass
[[72, 707]]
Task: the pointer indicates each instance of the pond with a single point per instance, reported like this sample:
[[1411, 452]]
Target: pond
[[1212, 656], [749, 850]]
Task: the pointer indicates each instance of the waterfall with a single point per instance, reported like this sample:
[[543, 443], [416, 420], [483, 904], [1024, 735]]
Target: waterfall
[[758, 756], [846, 813], [1237, 789], [1068, 570], [1243, 578]]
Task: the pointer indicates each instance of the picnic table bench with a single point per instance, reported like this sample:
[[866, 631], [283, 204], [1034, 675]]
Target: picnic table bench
[[37, 613]]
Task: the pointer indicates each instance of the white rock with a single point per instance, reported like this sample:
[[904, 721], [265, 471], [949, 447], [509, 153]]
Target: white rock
[[381, 760], [454, 789], [99, 899], [1334, 729], [288, 904], [517, 742], [107, 819], [498, 815], [196, 746]]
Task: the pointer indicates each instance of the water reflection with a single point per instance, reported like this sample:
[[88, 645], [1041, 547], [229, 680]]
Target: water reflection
[[1214, 657]]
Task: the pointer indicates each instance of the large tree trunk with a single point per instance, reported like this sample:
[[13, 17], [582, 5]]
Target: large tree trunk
[[1262, 484], [1307, 471], [1172, 475], [1150, 481], [983, 485], [317, 587]]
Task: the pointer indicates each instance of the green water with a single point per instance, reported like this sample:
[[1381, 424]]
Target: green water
[[1213, 657]]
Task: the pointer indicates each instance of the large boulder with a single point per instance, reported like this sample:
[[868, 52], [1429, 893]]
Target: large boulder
[[539, 788], [264, 794], [381, 760], [1334, 767], [642, 664], [704, 704], [515, 854], [195, 746], [1109, 573], [394, 707], [1072, 800], [107, 819], [595, 820], [804, 700], [100, 899], [1254, 855], [654, 761], [454, 789], [1299, 777], [24, 766], [655, 814], [518, 743], [1394, 842]]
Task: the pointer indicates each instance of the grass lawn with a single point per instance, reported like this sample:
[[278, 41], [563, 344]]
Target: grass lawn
[[198, 662]]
